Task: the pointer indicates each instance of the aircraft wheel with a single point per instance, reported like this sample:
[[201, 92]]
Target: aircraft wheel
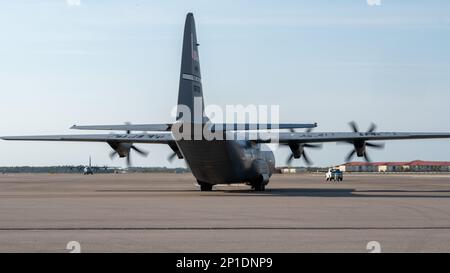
[[205, 186], [259, 187]]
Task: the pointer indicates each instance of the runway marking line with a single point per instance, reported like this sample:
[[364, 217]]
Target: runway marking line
[[217, 228]]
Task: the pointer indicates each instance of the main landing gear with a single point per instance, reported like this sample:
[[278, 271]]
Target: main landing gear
[[205, 186], [259, 187]]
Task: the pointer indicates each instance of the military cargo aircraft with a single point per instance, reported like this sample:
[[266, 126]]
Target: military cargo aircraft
[[234, 156]]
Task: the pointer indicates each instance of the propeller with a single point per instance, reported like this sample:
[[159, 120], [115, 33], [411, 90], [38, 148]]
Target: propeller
[[361, 145], [126, 148], [303, 153], [128, 156], [298, 150]]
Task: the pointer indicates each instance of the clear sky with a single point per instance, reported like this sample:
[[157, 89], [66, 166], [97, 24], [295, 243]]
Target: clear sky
[[108, 62]]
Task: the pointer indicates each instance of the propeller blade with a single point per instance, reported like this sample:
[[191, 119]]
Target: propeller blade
[[129, 160], [289, 159], [350, 155], [139, 151], [309, 130], [312, 146], [366, 157], [372, 128], [375, 145], [171, 157], [353, 126], [112, 154], [306, 158]]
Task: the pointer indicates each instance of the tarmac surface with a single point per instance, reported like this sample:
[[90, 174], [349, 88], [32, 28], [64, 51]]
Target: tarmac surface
[[167, 213]]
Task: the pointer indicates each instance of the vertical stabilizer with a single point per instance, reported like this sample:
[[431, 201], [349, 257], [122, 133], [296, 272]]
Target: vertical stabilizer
[[190, 92]]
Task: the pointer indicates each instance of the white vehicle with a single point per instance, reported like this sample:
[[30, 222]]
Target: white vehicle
[[334, 174]]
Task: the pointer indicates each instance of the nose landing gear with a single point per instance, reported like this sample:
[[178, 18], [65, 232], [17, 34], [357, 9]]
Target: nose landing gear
[[259, 184]]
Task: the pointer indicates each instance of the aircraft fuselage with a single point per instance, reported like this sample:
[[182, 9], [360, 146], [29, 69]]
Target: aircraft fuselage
[[228, 161]]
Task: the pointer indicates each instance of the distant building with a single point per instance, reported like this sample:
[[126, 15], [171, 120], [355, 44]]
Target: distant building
[[413, 166], [288, 170]]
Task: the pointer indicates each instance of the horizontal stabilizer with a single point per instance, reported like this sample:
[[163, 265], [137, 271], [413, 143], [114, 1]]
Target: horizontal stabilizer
[[125, 127], [256, 126], [221, 127]]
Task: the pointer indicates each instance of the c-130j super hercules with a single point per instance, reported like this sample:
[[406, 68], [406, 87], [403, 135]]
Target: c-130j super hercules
[[226, 160]]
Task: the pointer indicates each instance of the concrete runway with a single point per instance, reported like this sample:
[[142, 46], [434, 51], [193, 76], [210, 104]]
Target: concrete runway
[[167, 213]]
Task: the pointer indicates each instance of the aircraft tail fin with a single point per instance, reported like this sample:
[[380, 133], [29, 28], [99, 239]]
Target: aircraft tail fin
[[190, 93]]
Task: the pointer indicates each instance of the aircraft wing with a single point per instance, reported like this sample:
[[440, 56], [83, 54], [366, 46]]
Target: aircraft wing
[[279, 137], [163, 138], [317, 137]]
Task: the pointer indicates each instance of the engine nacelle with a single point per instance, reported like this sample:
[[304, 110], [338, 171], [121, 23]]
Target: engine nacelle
[[360, 147], [296, 149], [121, 148]]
